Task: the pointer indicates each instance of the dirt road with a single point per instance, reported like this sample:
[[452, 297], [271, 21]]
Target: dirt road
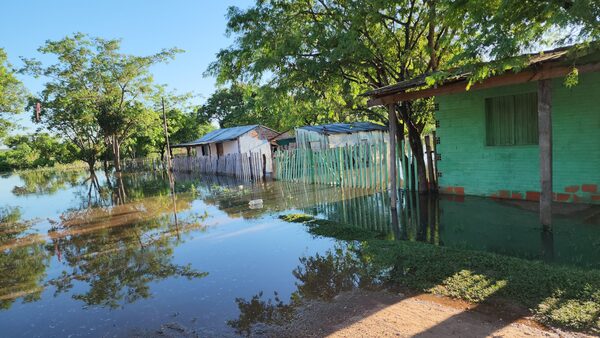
[[382, 314]]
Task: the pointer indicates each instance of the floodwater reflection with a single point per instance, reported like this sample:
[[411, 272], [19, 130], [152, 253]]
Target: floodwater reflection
[[116, 260]]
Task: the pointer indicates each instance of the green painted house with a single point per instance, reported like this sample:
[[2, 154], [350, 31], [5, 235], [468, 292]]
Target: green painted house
[[519, 135], [488, 141]]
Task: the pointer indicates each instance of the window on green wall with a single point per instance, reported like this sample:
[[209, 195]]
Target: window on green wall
[[511, 120]]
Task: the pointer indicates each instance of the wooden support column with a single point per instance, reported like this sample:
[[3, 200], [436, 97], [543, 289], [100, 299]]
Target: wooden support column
[[393, 126], [545, 144]]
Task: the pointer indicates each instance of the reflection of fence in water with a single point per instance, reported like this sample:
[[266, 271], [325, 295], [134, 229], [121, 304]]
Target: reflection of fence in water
[[417, 217]]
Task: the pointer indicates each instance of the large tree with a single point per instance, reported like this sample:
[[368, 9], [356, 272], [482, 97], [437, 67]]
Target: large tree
[[127, 86], [327, 52], [12, 93], [95, 95], [69, 100]]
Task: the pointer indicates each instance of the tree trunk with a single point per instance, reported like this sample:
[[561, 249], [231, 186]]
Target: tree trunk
[[162, 153], [117, 153], [400, 138], [91, 164], [416, 145]]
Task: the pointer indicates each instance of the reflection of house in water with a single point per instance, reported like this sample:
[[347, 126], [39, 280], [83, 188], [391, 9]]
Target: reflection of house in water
[[472, 223], [340, 134]]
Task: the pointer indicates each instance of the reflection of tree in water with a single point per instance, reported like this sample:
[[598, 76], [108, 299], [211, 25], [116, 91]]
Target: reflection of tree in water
[[119, 264], [46, 182], [122, 188], [320, 277], [23, 260], [116, 249], [119, 251]]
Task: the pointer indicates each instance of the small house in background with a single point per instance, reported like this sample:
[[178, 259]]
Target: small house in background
[[340, 134], [252, 140], [284, 141]]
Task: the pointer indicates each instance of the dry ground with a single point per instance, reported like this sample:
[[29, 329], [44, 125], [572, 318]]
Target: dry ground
[[383, 314]]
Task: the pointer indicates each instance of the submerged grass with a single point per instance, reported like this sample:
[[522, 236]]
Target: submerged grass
[[562, 296]]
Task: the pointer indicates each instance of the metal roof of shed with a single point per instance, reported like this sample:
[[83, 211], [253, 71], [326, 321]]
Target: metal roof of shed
[[220, 135], [344, 128]]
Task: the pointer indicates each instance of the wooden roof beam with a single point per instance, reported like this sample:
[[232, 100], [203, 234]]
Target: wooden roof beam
[[546, 72]]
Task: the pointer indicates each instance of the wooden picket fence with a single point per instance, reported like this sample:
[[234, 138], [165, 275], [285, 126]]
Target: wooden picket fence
[[362, 165], [248, 166]]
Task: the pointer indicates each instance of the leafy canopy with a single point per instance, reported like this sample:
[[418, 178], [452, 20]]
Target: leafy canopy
[[12, 93]]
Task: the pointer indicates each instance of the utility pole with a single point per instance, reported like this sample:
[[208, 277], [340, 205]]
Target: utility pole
[[393, 126], [170, 166], [169, 163]]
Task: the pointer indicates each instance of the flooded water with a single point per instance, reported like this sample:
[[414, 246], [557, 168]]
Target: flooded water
[[125, 260]]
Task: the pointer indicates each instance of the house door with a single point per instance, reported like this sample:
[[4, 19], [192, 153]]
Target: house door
[[219, 149], [205, 149]]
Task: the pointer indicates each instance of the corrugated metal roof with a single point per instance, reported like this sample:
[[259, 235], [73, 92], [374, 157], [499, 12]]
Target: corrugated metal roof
[[341, 128], [220, 135]]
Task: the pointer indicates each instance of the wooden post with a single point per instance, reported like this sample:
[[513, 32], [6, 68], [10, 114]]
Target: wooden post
[[430, 163], [545, 144], [392, 158], [434, 162]]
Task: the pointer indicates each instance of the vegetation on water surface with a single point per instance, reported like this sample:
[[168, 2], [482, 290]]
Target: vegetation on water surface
[[326, 228], [558, 295]]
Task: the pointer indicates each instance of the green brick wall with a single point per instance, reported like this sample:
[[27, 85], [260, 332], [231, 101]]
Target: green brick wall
[[470, 167]]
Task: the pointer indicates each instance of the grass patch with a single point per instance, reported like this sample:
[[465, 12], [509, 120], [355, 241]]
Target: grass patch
[[297, 218], [561, 296]]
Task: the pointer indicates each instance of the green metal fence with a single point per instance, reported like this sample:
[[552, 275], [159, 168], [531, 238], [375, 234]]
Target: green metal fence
[[362, 165]]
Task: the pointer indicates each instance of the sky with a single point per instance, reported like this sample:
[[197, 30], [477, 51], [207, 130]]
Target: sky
[[145, 27]]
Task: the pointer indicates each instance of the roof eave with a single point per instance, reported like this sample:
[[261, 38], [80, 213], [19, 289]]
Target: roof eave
[[540, 72]]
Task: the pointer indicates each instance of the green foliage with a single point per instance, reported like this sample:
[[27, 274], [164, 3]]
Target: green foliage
[[12, 93], [183, 125], [297, 218], [96, 96], [563, 296], [35, 151], [326, 228], [323, 55], [503, 28], [572, 79]]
